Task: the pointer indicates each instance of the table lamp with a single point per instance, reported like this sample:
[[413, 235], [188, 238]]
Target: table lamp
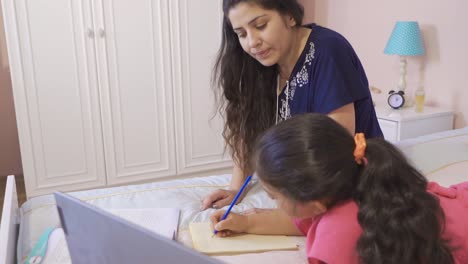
[[406, 40]]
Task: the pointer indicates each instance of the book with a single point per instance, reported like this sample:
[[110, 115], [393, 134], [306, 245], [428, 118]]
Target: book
[[205, 242], [163, 221]]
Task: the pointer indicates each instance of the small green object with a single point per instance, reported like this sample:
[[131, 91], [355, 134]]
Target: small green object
[[37, 254]]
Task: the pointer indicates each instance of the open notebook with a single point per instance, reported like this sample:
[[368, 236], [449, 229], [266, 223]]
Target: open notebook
[[163, 221], [204, 242], [51, 248]]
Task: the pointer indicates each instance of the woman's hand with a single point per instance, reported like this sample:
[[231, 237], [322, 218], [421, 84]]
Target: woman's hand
[[218, 199], [234, 223]]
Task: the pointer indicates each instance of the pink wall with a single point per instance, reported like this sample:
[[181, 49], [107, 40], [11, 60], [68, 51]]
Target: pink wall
[[367, 24], [10, 159], [309, 10]]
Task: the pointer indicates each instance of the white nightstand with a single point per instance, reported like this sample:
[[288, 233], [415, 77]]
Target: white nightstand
[[406, 123]]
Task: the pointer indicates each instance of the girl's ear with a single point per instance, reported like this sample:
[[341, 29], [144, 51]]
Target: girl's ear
[[316, 207], [320, 207]]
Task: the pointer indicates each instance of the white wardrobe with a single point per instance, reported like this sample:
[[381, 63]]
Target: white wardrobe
[[111, 92]]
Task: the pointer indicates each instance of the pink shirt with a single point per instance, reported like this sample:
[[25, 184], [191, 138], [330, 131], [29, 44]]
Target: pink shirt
[[332, 237]]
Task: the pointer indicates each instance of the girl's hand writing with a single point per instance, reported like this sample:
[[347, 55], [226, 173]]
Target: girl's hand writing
[[234, 223]]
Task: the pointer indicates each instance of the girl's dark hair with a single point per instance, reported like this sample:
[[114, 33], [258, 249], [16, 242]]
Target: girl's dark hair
[[310, 158], [244, 88]]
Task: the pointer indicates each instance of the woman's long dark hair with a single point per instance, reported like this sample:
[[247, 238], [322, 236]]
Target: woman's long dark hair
[[310, 158], [245, 89]]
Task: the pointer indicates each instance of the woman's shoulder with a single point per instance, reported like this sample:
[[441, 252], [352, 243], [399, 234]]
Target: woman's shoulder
[[327, 40], [320, 33]]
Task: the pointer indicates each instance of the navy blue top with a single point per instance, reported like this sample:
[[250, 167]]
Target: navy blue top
[[328, 75]]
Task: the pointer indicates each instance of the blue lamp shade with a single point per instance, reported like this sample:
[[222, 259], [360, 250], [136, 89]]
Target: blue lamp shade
[[406, 40]]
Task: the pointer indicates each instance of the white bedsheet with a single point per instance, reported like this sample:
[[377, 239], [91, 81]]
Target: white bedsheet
[[40, 213]]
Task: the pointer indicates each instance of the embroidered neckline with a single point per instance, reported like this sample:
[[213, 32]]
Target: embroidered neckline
[[300, 79]]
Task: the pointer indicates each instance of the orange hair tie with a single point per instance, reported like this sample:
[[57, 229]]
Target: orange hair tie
[[360, 149]]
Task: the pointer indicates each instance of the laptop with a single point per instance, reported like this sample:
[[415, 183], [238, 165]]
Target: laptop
[[96, 236]]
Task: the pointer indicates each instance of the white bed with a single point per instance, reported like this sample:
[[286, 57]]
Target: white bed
[[39, 213], [442, 157], [9, 223]]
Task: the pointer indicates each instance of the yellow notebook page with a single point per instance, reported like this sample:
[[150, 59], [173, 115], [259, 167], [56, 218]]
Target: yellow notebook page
[[204, 241]]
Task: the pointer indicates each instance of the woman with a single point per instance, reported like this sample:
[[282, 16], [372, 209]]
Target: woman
[[270, 68]]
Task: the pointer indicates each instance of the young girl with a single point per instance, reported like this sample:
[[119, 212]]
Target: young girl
[[356, 201], [270, 68]]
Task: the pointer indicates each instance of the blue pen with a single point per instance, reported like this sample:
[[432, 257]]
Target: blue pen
[[235, 200]]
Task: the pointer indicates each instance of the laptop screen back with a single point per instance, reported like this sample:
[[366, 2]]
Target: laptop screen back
[[96, 236]]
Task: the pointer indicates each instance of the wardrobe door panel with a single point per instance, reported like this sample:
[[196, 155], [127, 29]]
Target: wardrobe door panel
[[137, 95], [52, 58], [196, 35]]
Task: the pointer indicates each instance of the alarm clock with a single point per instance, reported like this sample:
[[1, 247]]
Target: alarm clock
[[396, 99]]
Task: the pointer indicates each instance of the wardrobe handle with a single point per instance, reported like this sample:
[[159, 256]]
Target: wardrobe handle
[[102, 33], [90, 33]]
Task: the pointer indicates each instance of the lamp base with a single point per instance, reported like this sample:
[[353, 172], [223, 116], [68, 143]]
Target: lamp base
[[409, 102]]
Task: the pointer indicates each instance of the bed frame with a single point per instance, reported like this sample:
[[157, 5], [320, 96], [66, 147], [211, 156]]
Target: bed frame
[[9, 224]]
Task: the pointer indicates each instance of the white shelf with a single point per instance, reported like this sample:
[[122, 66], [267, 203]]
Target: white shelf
[[404, 123]]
